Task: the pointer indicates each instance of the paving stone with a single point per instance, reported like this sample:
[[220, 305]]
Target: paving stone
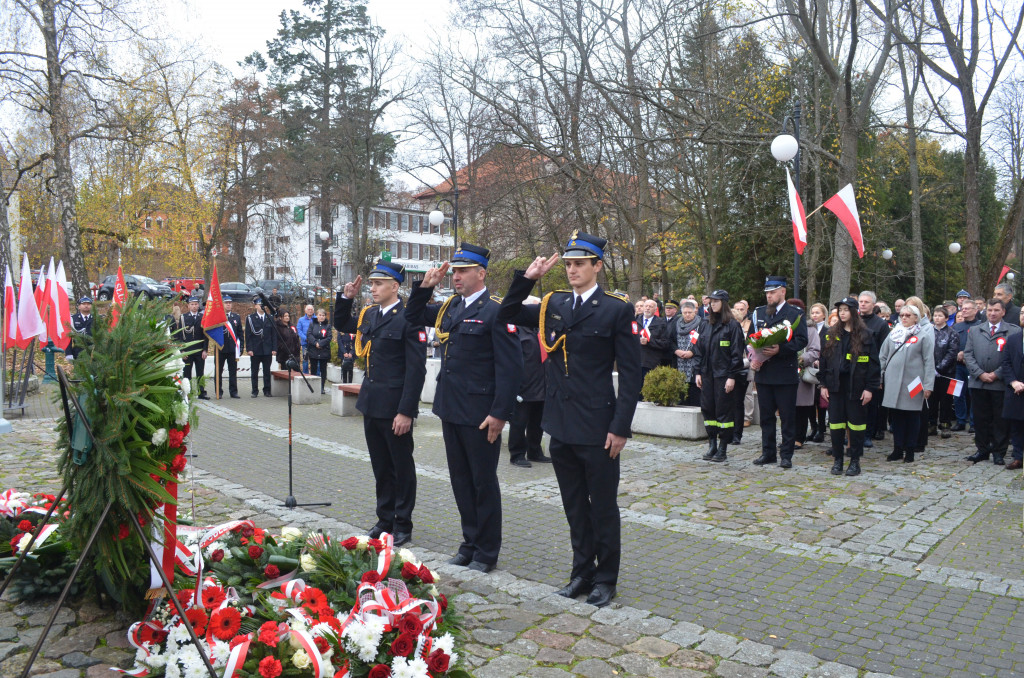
[[113, 656], [63, 673], [718, 644], [13, 666], [8, 633], [487, 636], [90, 612], [99, 671], [652, 626], [64, 616], [790, 664], [731, 669], [559, 641], [549, 655], [614, 635], [652, 647], [567, 623], [755, 654], [117, 639], [30, 636], [527, 648], [692, 659], [673, 672], [7, 649], [505, 666], [634, 664], [79, 660], [588, 647], [548, 672], [595, 668], [833, 670], [684, 634]]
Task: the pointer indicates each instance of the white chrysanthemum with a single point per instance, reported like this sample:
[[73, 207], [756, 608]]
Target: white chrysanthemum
[[400, 668], [435, 575], [322, 631], [219, 654], [177, 364], [185, 385], [290, 533], [172, 670], [445, 643], [452, 658], [419, 668], [180, 413], [156, 661], [300, 659], [375, 623], [178, 635], [307, 562], [408, 556], [160, 436]]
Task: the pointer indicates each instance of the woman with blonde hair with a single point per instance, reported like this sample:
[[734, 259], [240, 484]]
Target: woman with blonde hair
[[908, 376]]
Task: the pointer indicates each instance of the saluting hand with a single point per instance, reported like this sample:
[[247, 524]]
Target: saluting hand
[[614, 444], [434, 276], [352, 288], [493, 425], [540, 267]]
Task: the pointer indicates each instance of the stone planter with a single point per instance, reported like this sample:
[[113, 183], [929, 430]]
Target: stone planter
[[334, 373], [671, 422], [430, 382]]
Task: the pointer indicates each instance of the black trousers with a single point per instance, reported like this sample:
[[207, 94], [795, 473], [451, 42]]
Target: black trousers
[[473, 465], [394, 472], [255, 363], [195, 359], [1016, 427], [589, 482], [805, 415], [346, 372], [692, 398], [772, 397], [906, 425], [940, 405], [847, 414], [524, 431], [991, 434], [319, 366], [717, 407], [876, 417], [228, 359]]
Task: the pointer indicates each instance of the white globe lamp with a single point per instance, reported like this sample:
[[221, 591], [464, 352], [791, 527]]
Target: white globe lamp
[[436, 218], [887, 254], [785, 147], [954, 247]]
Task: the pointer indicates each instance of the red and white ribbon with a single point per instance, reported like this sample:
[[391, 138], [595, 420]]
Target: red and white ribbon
[[384, 557], [12, 503], [237, 657]]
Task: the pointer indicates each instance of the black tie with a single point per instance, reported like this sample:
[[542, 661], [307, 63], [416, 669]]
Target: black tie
[[576, 304]]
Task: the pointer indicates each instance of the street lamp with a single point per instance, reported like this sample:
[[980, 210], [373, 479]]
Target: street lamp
[[325, 239], [887, 254], [436, 217], [786, 147], [954, 248]]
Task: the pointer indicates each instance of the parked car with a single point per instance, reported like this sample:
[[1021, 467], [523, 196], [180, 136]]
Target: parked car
[[136, 284], [286, 288], [239, 291]]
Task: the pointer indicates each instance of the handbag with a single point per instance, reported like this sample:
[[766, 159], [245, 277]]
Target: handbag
[[809, 375]]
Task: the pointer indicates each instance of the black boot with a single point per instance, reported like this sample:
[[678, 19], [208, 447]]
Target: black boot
[[712, 447], [897, 454], [837, 465], [932, 430], [908, 458], [854, 468], [945, 432], [721, 455]]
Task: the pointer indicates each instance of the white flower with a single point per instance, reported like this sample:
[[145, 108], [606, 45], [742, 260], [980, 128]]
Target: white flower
[[185, 385], [363, 541], [156, 661], [290, 533], [180, 413], [445, 642], [400, 669], [452, 658], [300, 659], [219, 654], [419, 668], [172, 670], [177, 364], [375, 623], [178, 635], [435, 575], [307, 562], [408, 556], [433, 590], [160, 436], [323, 631]]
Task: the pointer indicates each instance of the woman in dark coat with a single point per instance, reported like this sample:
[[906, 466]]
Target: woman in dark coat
[[719, 352], [318, 345], [1013, 401], [947, 346], [288, 344], [849, 371]]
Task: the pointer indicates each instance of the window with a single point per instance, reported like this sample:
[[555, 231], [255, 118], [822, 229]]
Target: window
[[402, 223], [149, 223], [423, 225], [444, 226], [434, 229], [393, 220], [405, 250], [159, 222], [414, 250]]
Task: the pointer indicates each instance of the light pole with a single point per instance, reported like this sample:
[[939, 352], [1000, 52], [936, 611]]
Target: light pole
[[954, 248], [786, 147], [436, 217]]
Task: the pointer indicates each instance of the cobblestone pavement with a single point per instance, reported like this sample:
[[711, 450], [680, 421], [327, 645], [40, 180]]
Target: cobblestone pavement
[[910, 569]]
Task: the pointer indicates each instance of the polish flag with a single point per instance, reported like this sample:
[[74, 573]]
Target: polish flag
[[120, 297], [844, 205], [42, 295], [796, 213], [1002, 273], [41, 287], [915, 387], [955, 387], [10, 311], [30, 324], [59, 317]]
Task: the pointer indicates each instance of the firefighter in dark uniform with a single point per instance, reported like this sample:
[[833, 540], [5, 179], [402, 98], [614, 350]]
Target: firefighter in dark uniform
[[481, 368], [227, 354], [196, 343], [81, 322], [777, 377], [720, 348], [587, 333], [260, 344], [389, 398]]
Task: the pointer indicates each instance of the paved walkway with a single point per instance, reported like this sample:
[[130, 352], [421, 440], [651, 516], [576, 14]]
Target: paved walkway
[[909, 569]]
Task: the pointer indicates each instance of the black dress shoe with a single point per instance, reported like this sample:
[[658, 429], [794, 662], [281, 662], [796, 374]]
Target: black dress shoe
[[786, 463], [203, 396], [460, 559], [520, 462], [481, 567], [879, 435], [402, 538], [577, 587], [540, 459], [958, 427], [998, 461], [764, 459], [971, 430], [601, 595], [868, 443], [235, 395], [978, 456], [376, 532], [220, 397], [255, 395], [267, 394]]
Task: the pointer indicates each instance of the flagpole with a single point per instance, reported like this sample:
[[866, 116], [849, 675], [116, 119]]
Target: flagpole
[[816, 210], [216, 367]]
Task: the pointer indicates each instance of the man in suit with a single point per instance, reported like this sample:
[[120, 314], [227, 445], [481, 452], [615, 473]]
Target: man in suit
[[653, 338], [389, 398], [1013, 401], [879, 329], [671, 323], [196, 343], [587, 332], [983, 355], [227, 354], [777, 376], [481, 368], [81, 322], [260, 344], [524, 428], [1004, 293], [962, 403]]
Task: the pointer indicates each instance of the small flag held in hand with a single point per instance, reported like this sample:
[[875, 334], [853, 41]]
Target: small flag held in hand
[[915, 387], [955, 387]]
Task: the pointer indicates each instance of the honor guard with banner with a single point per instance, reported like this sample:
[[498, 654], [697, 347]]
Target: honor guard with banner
[[81, 323], [234, 336], [196, 344], [481, 369], [587, 333], [396, 354], [214, 320]]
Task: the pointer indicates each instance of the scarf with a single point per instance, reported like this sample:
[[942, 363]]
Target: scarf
[[900, 333]]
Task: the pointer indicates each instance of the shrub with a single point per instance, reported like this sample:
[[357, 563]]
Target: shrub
[[664, 386]]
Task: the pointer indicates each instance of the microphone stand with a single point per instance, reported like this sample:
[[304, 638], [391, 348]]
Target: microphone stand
[[291, 365]]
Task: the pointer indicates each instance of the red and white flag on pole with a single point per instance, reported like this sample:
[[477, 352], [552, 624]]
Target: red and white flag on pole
[[844, 205], [42, 294], [796, 213], [59, 317], [955, 387], [915, 387], [120, 297], [30, 325], [10, 310], [1002, 273]]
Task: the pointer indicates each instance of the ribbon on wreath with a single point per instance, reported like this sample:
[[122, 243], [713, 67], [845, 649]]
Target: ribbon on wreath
[[12, 503], [165, 534], [44, 534], [384, 555]]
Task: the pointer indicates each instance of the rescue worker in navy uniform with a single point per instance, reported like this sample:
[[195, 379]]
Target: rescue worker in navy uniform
[[389, 398], [481, 368], [524, 429], [81, 322], [196, 343], [719, 349], [587, 332], [777, 377], [260, 344], [227, 354]]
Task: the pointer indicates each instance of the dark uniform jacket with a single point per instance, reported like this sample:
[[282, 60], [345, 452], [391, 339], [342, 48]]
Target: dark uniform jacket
[[260, 334], [1013, 370], [878, 328], [653, 351], [863, 371], [318, 340], [481, 363], [532, 388], [1012, 314], [346, 344], [235, 321], [191, 331], [397, 364], [781, 369], [669, 355], [581, 407], [720, 349], [82, 325]]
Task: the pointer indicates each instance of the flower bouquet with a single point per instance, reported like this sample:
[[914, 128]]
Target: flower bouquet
[[50, 558], [769, 336]]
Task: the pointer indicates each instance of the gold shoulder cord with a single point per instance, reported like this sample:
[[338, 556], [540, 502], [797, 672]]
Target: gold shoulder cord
[[442, 337], [560, 342], [362, 350]]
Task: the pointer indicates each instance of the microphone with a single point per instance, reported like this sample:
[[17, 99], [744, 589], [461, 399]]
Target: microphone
[[267, 305], [292, 364]]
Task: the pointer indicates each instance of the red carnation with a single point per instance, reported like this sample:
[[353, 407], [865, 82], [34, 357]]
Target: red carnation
[[375, 544], [322, 646], [217, 555], [175, 438], [185, 596], [258, 535], [213, 596], [255, 552], [25, 526], [14, 543], [351, 543], [197, 618], [270, 667], [410, 571], [403, 645], [268, 634], [380, 671], [438, 661], [370, 577], [225, 623], [272, 571], [426, 575], [122, 531], [187, 429], [409, 623], [248, 530], [178, 464], [238, 640]]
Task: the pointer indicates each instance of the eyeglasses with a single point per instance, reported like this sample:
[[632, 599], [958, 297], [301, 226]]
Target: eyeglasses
[[906, 315]]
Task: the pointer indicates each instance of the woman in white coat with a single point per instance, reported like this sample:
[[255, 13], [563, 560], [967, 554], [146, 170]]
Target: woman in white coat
[[907, 355]]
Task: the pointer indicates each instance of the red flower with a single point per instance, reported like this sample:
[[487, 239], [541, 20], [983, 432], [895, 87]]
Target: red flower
[[225, 623], [270, 668], [185, 596], [351, 543], [268, 634], [438, 661], [152, 632], [14, 543], [376, 544], [322, 646], [25, 526], [243, 541], [248, 530], [380, 671], [370, 577], [175, 438], [213, 596], [272, 571], [410, 571], [187, 429], [258, 535], [178, 464], [217, 555], [255, 552], [122, 531], [444, 603], [403, 645], [197, 618], [314, 598], [238, 640], [409, 623], [425, 575]]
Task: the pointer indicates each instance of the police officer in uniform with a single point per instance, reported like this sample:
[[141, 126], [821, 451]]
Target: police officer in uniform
[[389, 398], [196, 343], [260, 344], [81, 322], [227, 354], [777, 377], [587, 332], [481, 368], [719, 349]]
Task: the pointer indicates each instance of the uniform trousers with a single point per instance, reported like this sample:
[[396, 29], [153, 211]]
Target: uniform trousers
[[1016, 427], [846, 413], [195, 359], [255, 363], [718, 407], [991, 433], [524, 431], [346, 372], [227, 358], [394, 471], [473, 465], [781, 397], [589, 482]]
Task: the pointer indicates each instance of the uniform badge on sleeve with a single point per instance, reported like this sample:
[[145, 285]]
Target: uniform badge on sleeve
[[511, 328], [636, 328], [423, 337]]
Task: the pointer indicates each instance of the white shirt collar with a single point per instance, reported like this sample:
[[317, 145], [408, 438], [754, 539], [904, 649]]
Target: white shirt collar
[[385, 309], [994, 327], [586, 295], [473, 297]]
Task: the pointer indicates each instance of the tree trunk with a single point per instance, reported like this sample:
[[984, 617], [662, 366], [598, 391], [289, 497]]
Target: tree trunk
[[972, 202], [915, 175], [842, 262]]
